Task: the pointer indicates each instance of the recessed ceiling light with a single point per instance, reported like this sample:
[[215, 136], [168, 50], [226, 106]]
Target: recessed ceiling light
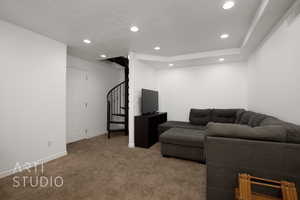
[[134, 29], [87, 41], [221, 59], [103, 56], [171, 64], [224, 36], [228, 5], [157, 48]]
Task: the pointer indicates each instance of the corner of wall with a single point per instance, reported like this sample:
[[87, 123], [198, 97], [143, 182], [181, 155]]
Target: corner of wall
[[131, 106]]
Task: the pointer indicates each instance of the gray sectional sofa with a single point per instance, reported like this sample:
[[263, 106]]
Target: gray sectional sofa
[[232, 141]]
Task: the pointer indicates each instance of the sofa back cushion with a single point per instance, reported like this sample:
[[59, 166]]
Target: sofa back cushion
[[239, 115], [224, 115], [256, 119], [245, 118], [200, 116], [293, 130], [250, 118], [267, 133]]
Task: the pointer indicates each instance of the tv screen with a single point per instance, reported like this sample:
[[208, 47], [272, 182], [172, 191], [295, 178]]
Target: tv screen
[[149, 101]]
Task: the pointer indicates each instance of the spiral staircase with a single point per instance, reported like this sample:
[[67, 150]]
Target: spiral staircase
[[117, 102]]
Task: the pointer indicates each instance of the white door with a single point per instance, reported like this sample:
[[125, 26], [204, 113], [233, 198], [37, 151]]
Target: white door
[[76, 104]]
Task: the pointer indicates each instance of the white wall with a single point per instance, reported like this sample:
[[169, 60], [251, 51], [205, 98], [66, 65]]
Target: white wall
[[102, 76], [211, 86], [32, 95], [274, 74], [145, 77], [141, 76]]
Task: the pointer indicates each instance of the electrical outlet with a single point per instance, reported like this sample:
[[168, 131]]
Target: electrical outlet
[[49, 143]]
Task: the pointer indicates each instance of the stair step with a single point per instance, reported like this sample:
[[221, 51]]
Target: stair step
[[117, 122], [123, 108], [117, 130], [120, 115]]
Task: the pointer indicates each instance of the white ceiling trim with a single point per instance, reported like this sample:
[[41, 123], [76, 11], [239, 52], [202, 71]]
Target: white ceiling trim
[[149, 57], [193, 56], [208, 54], [288, 17], [259, 14]]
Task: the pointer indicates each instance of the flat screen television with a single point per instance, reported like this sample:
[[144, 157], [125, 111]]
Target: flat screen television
[[149, 101]]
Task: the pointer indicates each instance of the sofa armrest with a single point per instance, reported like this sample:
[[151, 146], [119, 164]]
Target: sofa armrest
[[226, 157]]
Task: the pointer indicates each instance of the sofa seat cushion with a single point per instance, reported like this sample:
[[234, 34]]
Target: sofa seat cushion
[[185, 137], [200, 116], [224, 115], [293, 130], [175, 124], [266, 133]]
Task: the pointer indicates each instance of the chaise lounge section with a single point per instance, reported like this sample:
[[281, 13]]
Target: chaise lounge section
[[183, 143]]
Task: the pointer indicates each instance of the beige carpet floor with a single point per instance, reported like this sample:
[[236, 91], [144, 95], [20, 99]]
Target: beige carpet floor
[[102, 169]]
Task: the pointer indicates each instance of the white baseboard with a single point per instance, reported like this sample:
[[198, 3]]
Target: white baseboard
[[131, 145], [43, 160]]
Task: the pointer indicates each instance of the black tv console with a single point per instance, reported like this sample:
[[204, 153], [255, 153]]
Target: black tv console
[[146, 129]]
